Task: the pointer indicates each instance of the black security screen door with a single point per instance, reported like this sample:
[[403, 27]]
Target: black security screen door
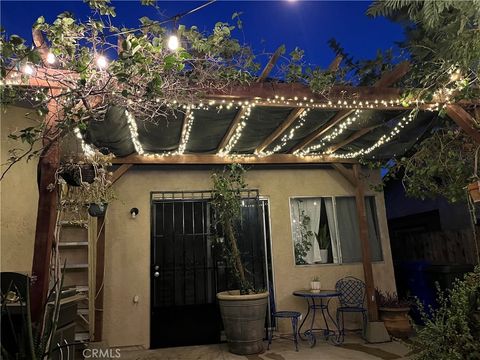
[[187, 270]]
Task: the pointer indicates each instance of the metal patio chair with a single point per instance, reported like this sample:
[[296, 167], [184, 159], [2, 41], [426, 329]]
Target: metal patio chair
[[352, 300], [294, 316]]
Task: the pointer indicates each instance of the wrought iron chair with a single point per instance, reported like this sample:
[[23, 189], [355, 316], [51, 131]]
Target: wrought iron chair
[[294, 316], [352, 300]]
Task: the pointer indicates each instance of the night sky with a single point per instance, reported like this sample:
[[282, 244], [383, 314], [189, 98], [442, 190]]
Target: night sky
[[267, 24]]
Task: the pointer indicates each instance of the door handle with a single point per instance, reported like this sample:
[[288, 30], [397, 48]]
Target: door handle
[[156, 274]]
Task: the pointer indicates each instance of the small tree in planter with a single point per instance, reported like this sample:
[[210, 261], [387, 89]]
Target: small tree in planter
[[243, 310], [394, 313]]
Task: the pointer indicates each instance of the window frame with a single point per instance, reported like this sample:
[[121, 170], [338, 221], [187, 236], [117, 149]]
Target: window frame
[[339, 250]]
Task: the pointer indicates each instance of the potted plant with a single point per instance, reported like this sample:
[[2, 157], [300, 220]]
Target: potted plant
[[323, 238], [315, 285], [95, 195], [394, 313], [75, 173], [243, 310]]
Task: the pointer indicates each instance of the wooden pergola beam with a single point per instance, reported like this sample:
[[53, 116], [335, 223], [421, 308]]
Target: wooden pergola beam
[[294, 115], [231, 129], [269, 67], [41, 46], [346, 173], [356, 135], [335, 64], [464, 120], [213, 159], [117, 174], [391, 77], [387, 79]]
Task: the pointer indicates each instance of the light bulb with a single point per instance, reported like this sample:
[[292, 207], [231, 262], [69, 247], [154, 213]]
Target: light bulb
[[173, 42], [102, 62], [50, 58], [28, 70]]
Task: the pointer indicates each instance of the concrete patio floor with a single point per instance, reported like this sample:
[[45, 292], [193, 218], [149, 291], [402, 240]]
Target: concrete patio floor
[[281, 349]]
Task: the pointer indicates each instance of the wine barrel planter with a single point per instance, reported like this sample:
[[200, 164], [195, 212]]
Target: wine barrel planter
[[397, 322], [244, 321]]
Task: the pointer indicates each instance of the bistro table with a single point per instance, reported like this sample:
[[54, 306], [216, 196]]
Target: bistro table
[[319, 301]]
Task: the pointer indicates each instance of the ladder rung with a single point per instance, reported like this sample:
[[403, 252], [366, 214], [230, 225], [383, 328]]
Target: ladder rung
[[74, 223], [82, 288], [82, 336], [82, 311], [72, 243], [76, 266]]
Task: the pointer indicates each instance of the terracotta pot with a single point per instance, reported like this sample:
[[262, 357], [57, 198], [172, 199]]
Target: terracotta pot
[[474, 191], [397, 322]]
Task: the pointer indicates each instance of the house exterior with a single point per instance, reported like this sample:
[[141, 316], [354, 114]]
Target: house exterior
[[128, 270]]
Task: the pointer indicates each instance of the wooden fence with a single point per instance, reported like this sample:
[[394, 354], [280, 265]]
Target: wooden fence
[[446, 247]]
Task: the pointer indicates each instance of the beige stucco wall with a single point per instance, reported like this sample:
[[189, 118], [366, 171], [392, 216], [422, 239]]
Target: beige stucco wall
[[128, 242], [19, 197]]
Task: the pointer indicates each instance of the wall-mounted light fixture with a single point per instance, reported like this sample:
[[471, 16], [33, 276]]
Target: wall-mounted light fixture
[[134, 212]]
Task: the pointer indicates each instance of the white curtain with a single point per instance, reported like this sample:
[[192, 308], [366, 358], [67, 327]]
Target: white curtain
[[332, 226], [295, 211], [312, 210]]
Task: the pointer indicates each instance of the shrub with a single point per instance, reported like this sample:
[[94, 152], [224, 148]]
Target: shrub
[[452, 331]]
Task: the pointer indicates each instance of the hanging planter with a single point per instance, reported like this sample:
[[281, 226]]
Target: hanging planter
[[76, 174], [97, 210]]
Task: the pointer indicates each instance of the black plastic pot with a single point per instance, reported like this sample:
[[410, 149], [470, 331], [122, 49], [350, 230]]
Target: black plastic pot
[[75, 175], [97, 210]]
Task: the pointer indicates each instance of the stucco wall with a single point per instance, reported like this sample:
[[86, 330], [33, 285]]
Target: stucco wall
[[128, 242], [19, 198]]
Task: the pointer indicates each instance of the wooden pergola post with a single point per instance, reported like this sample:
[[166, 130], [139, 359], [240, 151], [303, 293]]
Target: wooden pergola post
[[364, 240], [354, 178], [46, 213]]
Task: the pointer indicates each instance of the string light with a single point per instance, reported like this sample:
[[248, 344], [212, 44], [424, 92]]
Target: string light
[[132, 126], [189, 118], [28, 69], [385, 138], [102, 62], [86, 148], [238, 131], [334, 134], [173, 42], [51, 58], [288, 136]]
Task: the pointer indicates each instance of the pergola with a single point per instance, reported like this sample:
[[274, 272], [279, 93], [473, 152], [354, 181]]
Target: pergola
[[265, 123]]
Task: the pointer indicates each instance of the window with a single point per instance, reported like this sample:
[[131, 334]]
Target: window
[[325, 230]]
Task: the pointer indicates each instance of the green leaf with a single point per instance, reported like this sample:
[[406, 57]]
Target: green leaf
[[16, 40]]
